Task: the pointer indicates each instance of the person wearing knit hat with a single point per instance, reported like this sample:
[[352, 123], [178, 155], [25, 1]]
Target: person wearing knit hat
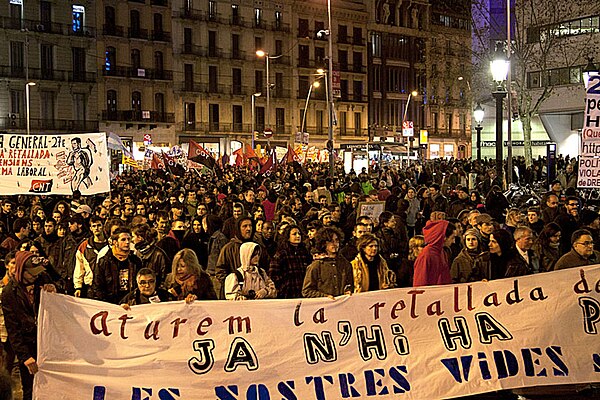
[[20, 302], [325, 217]]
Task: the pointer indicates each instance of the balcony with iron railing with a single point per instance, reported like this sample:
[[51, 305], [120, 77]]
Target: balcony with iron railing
[[46, 74], [138, 116], [202, 51], [161, 36], [139, 73], [36, 25], [161, 3], [355, 68], [138, 33], [39, 125], [113, 30]]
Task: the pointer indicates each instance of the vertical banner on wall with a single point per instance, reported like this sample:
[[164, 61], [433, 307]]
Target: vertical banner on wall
[[589, 160], [54, 164]]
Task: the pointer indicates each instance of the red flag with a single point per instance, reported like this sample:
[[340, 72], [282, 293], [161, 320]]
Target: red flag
[[157, 163], [290, 156], [249, 153], [269, 165], [172, 165], [239, 160]]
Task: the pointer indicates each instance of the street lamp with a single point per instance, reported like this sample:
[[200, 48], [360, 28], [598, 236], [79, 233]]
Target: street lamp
[[27, 85], [410, 96], [478, 114], [268, 58], [499, 67], [590, 70], [315, 85], [254, 96]]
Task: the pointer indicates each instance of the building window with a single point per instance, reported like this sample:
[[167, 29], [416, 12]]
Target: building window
[[110, 59], [213, 117], [278, 47], [280, 120], [303, 28], [342, 117], [158, 33], [357, 61], [357, 38], [258, 43], [79, 106], [47, 60], [259, 114], [235, 14], [159, 106], [258, 18], [159, 65], [303, 86], [190, 115], [319, 121], [235, 46], [212, 44], [16, 14], [48, 108], [258, 81], [357, 123], [278, 19], [110, 27], [212, 10], [342, 34], [78, 54], [376, 44], [78, 18], [134, 23], [17, 57], [319, 57], [319, 27], [188, 77], [237, 118], [236, 77], [46, 14], [213, 79], [136, 102], [278, 84], [357, 90], [111, 104], [187, 40], [16, 102], [303, 56], [135, 61]]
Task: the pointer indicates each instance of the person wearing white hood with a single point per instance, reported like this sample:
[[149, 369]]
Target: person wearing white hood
[[249, 282]]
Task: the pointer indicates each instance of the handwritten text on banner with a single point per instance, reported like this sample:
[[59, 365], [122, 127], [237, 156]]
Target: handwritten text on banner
[[414, 343]]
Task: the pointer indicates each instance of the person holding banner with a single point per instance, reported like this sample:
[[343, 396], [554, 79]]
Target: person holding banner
[[20, 303], [330, 274], [188, 281], [369, 268], [146, 291], [249, 281], [582, 251]]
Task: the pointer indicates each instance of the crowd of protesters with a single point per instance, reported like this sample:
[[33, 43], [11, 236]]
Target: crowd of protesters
[[295, 233]]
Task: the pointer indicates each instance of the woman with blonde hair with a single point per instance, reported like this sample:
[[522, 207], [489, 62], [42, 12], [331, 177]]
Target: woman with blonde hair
[[369, 268], [513, 220], [188, 281], [404, 276]]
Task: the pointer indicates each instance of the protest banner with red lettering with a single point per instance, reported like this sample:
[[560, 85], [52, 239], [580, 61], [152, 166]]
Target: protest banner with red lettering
[[54, 164], [414, 343]]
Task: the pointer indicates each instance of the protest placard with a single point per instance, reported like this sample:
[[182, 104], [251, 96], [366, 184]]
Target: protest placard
[[54, 164]]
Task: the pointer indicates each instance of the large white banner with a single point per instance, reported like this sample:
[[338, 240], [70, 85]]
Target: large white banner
[[54, 164], [419, 343]]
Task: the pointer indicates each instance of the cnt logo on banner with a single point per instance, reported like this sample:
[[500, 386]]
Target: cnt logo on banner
[[589, 160], [54, 164], [414, 343]]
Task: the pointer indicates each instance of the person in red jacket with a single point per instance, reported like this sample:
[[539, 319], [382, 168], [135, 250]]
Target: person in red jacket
[[432, 266]]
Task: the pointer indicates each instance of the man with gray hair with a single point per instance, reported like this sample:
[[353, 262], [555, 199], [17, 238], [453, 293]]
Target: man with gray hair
[[525, 261]]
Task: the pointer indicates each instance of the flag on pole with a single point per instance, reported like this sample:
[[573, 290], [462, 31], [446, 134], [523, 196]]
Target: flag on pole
[[269, 166], [127, 159], [198, 154], [114, 142], [157, 163], [172, 165], [290, 156], [239, 159]]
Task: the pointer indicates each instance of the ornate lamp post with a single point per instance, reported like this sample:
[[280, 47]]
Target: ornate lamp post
[[499, 67], [478, 114]]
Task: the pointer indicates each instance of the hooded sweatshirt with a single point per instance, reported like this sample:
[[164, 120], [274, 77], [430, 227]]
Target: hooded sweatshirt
[[255, 278], [432, 266]]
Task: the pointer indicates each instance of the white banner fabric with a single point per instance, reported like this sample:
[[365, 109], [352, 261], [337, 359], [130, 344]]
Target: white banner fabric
[[54, 164], [414, 343]]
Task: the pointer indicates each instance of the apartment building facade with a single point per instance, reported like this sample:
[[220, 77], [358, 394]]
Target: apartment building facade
[[48, 53]]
